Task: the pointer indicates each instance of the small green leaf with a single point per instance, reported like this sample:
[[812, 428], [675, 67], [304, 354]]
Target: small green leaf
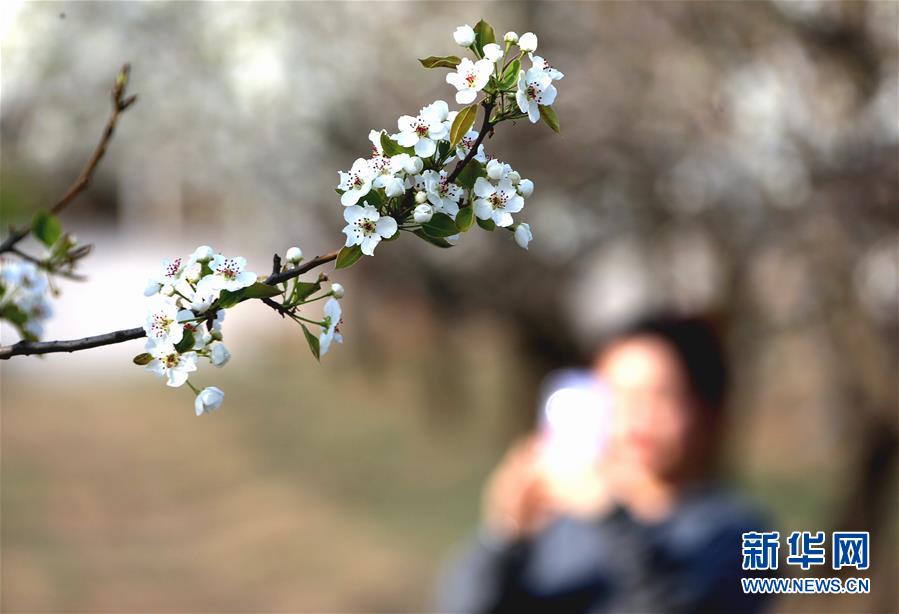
[[441, 225], [304, 290], [510, 75], [257, 290], [187, 341], [142, 359], [484, 34], [447, 61], [375, 198], [548, 115], [465, 218], [470, 174], [463, 123], [348, 256], [432, 240], [392, 148], [14, 314], [312, 340], [487, 224], [46, 228]]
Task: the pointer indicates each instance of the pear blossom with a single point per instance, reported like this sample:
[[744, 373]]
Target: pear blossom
[[464, 146], [493, 52], [229, 274], [541, 64], [423, 213], [442, 194], [219, 354], [525, 187], [496, 202], [497, 170], [329, 330], [337, 290], [169, 363], [294, 255], [511, 37], [470, 78], [421, 197], [204, 253], [366, 227], [523, 235], [163, 323], [535, 88], [423, 131], [464, 36], [355, 183], [528, 42], [208, 399]]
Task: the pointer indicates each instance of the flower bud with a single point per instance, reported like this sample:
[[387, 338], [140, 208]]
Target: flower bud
[[526, 187], [423, 213], [193, 272], [421, 197], [220, 354], [523, 235], [464, 36], [294, 255], [204, 253], [413, 165], [216, 334], [337, 290], [528, 42], [208, 399], [511, 37], [167, 290], [496, 170], [514, 177]]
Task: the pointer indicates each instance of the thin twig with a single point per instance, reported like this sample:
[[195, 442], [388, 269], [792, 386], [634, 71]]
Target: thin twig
[[486, 127], [119, 104]]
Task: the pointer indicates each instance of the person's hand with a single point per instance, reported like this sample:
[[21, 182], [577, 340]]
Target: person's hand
[[517, 502]]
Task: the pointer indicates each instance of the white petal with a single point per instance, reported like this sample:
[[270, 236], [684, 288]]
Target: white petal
[[483, 188], [386, 227], [534, 112], [482, 209], [369, 244], [425, 148], [466, 96], [353, 214], [547, 96], [502, 218]]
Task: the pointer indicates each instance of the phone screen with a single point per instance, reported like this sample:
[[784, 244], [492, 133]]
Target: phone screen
[[574, 421]]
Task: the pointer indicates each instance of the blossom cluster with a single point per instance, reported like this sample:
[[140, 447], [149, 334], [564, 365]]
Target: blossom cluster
[[424, 178], [24, 296], [187, 299]]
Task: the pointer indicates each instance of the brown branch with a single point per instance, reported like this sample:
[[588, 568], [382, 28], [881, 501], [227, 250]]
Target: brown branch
[[486, 127], [28, 348], [119, 104]]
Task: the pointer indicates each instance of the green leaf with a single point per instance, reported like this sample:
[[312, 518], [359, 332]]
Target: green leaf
[[14, 314], [348, 256], [375, 198], [187, 341], [548, 115], [392, 148], [463, 123], [465, 218], [470, 174], [312, 340], [441, 225], [46, 228], [447, 61], [432, 240], [304, 290], [484, 35], [487, 224], [257, 290], [510, 75], [142, 359]]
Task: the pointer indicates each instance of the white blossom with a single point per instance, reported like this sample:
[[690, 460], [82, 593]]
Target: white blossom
[[356, 182], [423, 213], [493, 52], [294, 255], [523, 235], [528, 42], [540, 64], [219, 354], [511, 37], [442, 194], [329, 330], [169, 363], [496, 202], [525, 187], [535, 88], [163, 323], [469, 79], [229, 274], [204, 253], [208, 399], [423, 131], [366, 227], [464, 36], [337, 290]]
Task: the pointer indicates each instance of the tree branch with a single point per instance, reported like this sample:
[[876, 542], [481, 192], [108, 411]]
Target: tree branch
[[482, 133], [119, 104], [29, 348]]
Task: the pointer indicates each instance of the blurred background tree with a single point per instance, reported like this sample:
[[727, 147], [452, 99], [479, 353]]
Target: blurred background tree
[[738, 158]]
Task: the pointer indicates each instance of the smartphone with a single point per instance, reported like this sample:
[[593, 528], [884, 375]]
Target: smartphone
[[574, 421]]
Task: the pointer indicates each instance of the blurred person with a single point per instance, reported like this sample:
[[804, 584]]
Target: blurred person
[[647, 526]]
